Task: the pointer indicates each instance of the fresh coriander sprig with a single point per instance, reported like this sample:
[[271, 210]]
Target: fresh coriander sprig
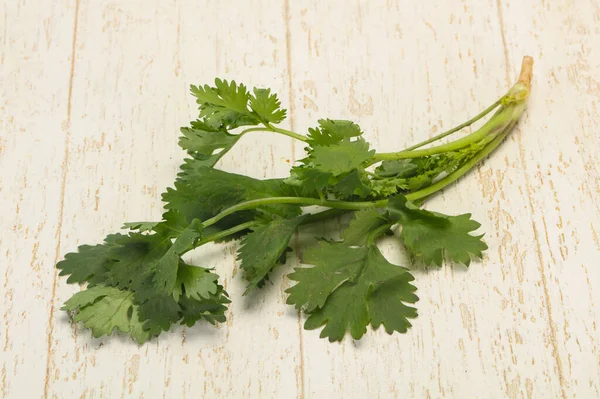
[[138, 283]]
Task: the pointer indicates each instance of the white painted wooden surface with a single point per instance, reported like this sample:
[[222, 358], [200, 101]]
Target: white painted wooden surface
[[92, 93]]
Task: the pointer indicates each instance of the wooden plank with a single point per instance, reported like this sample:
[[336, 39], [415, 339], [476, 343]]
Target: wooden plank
[[93, 92], [559, 155], [35, 70], [404, 73], [134, 63]]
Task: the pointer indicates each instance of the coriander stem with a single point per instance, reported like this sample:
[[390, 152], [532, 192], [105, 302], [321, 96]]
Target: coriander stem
[[378, 232], [497, 124], [225, 233], [266, 128], [254, 129], [304, 201], [286, 132], [512, 104], [457, 128], [526, 72], [221, 234], [462, 170], [306, 219], [271, 128]]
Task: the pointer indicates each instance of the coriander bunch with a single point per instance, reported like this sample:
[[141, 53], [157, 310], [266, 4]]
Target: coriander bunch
[[138, 283]]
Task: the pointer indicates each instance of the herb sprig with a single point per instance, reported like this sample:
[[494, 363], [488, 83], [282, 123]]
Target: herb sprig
[[139, 283]]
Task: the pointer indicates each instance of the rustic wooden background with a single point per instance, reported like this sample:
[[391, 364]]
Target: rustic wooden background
[[92, 93]]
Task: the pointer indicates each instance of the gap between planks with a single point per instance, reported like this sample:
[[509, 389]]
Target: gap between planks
[[288, 54], [63, 185], [536, 234]]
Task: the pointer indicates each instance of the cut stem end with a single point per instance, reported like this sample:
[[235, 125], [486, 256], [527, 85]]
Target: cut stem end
[[526, 71]]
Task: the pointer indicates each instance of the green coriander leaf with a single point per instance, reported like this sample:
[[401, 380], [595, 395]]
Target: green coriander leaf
[[332, 132], [139, 262], [347, 296], [351, 185], [345, 311], [141, 227], [233, 96], [340, 158], [133, 259], [165, 274], [103, 309], [205, 142], [202, 138], [334, 163], [262, 249], [172, 225], [195, 296], [308, 181], [138, 332], [332, 169], [122, 260], [267, 106], [225, 105], [188, 237], [364, 222], [430, 235], [165, 271], [336, 264], [91, 295], [388, 301], [88, 263], [211, 309], [159, 312], [194, 282], [208, 161]]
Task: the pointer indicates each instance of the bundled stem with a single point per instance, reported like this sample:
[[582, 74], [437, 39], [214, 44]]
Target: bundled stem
[[492, 133]]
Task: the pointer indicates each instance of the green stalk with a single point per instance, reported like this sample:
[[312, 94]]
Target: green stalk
[[494, 126], [226, 233], [378, 232], [304, 201], [266, 128], [457, 128], [511, 107], [288, 133], [306, 219], [417, 195], [273, 129]]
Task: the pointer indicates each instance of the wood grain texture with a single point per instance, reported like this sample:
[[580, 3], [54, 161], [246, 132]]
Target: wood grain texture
[[93, 91]]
